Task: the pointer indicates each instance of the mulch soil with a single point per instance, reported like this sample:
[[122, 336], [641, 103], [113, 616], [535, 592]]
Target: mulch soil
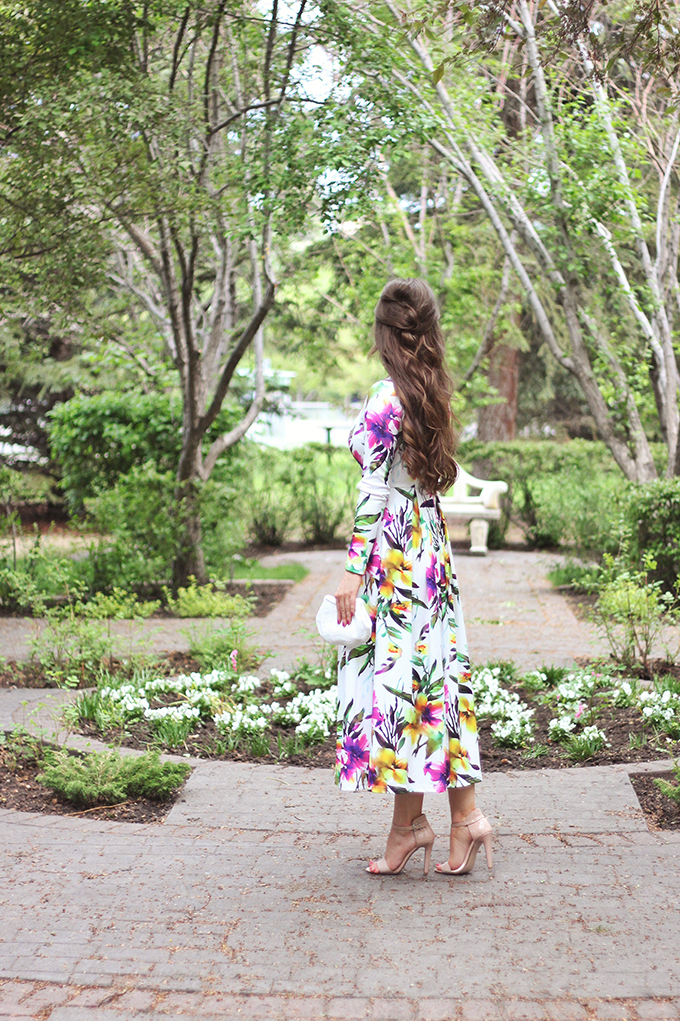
[[19, 790], [30, 675], [661, 812]]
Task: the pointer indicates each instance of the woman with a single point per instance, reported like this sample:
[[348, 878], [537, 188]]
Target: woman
[[406, 719]]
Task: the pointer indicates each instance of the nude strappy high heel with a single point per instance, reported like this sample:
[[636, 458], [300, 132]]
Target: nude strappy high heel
[[480, 833], [424, 837]]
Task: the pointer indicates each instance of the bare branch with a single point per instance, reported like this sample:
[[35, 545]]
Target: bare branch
[[177, 47]]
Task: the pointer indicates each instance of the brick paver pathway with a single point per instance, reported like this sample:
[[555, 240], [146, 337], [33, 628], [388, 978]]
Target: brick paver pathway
[[510, 608], [251, 901]]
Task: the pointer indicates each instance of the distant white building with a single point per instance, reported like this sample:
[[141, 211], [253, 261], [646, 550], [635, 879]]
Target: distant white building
[[297, 422]]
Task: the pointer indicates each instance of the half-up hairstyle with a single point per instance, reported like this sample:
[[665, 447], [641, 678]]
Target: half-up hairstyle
[[410, 344]]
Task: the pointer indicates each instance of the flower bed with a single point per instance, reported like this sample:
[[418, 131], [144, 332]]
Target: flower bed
[[221, 714], [552, 717]]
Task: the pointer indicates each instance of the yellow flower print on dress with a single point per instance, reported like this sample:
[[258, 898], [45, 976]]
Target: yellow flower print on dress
[[389, 769], [459, 758], [466, 709], [396, 571], [423, 718]]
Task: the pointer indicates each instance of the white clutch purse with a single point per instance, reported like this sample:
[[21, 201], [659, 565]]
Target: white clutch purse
[[357, 632]]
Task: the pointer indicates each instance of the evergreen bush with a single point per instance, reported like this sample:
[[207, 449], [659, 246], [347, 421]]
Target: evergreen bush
[[108, 777]]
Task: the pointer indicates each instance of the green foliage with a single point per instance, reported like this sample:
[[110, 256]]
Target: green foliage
[[254, 571], [632, 610], [586, 744], [173, 733], [96, 439], [652, 527], [273, 504], [144, 534], [324, 480], [671, 790], [581, 578], [72, 650], [18, 748], [567, 494], [109, 778], [207, 601], [213, 646], [120, 605]]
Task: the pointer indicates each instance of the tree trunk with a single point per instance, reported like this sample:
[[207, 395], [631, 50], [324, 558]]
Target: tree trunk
[[189, 561], [499, 421]]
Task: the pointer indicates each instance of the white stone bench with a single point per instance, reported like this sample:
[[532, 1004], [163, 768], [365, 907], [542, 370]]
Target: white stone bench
[[479, 508]]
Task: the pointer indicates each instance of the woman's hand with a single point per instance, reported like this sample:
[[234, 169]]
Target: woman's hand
[[346, 596]]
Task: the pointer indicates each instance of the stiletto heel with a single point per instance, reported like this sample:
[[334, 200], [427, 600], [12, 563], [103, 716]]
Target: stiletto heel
[[480, 833], [428, 855], [424, 837]]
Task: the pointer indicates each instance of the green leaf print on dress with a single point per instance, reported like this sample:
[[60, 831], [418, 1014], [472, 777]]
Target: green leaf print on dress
[[406, 719]]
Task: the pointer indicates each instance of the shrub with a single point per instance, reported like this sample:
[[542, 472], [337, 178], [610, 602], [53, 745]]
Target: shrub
[[213, 648], [206, 602], [142, 534], [652, 524], [107, 777], [96, 439], [558, 493], [324, 481], [273, 505], [72, 650], [632, 611]]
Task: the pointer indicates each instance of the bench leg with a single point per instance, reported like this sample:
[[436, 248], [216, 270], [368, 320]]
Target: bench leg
[[479, 535]]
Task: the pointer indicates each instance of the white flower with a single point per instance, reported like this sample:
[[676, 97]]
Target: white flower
[[560, 728], [173, 712]]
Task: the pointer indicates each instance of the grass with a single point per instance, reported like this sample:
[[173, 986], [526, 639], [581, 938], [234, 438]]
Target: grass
[[253, 571], [582, 578]]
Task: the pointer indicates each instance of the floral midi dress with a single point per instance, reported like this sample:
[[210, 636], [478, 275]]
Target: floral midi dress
[[406, 719]]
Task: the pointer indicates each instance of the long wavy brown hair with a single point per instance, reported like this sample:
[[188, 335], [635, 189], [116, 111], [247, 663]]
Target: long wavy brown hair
[[409, 341]]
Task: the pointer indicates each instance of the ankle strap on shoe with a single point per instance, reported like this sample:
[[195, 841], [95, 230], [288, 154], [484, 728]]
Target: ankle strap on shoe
[[419, 823], [472, 817]]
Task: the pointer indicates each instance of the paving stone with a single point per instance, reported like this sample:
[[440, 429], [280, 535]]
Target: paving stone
[[91, 996], [481, 1010], [658, 1010], [349, 1007], [566, 1010], [444, 1009], [11, 993], [51, 995], [392, 1010], [135, 999], [614, 1010], [70, 1013], [525, 1010]]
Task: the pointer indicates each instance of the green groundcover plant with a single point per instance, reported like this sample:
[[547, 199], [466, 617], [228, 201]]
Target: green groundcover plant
[[109, 778]]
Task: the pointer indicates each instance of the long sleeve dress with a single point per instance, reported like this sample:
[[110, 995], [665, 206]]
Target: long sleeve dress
[[406, 718]]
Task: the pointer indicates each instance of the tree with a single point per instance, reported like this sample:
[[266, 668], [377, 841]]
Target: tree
[[193, 164], [562, 202]]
